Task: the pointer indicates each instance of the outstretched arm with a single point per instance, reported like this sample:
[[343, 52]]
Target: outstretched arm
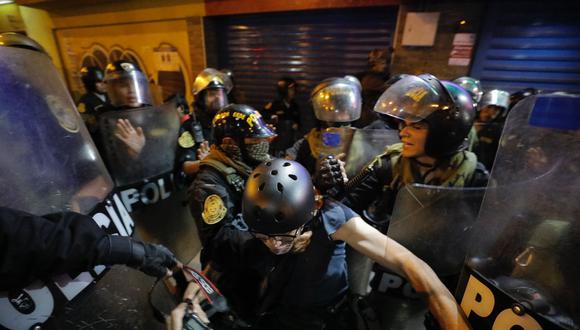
[[390, 254]]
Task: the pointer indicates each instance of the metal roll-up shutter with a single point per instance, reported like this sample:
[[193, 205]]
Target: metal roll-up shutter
[[530, 44], [308, 46]]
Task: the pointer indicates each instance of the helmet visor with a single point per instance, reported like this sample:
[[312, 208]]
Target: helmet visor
[[128, 89], [212, 78], [410, 98], [337, 103]]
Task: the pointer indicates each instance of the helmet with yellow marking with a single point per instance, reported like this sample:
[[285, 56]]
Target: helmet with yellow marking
[[238, 121], [445, 106]]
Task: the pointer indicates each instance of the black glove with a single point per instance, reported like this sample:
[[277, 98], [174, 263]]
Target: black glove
[[155, 258], [330, 174], [151, 259]]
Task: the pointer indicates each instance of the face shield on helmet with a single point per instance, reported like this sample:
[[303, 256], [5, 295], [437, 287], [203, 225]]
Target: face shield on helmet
[[412, 98], [127, 86], [210, 90], [279, 198], [337, 100], [214, 98], [472, 86], [446, 107], [493, 104], [211, 78]]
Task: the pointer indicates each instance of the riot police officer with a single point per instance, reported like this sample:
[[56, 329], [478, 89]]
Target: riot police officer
[[435, 118], [95, 97], [242, 141], [127, 85], [489, 125], [210, 91], [336, 103]]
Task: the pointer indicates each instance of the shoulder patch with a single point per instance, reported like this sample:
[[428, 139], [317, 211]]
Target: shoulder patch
[[82, 108], [214, 209], [186, 140]]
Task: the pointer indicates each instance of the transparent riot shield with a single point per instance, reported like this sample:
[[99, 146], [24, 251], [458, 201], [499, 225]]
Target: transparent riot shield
[[522, 270], [156, 127], [48, 164], [145, 178], [366, 144], [48, 161], [435, 223]]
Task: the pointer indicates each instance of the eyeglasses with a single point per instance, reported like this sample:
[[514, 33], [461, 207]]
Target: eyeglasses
[[282, 238]]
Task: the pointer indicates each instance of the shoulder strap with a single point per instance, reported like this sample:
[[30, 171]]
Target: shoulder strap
[[231, 175]]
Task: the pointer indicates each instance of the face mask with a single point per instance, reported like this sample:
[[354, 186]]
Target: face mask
[[257, 152]]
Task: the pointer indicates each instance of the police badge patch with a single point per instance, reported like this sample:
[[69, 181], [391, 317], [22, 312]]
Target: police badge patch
[[214, 209], [186, 140]]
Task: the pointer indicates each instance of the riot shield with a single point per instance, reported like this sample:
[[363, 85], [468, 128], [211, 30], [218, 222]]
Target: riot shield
[[145, 179], [522, 269], [366, 144], [160, 127], [48, 163], [435, 223]]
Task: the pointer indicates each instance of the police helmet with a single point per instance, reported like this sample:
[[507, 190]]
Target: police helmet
[[90, 76], [239, 121], [211, 78], [127, 86], [445, 106], [496, 98], [337, 100], [284, 84], [279, 197], [472, 85]]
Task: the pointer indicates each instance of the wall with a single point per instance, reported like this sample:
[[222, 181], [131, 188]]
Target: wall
[[39, 27], [434, 59], [234, 7], [143, 29]]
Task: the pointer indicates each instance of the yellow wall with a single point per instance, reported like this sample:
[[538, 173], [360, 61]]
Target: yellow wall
[[127, 12], [141, 38], [39, 27], [10, 18], [135, 25]]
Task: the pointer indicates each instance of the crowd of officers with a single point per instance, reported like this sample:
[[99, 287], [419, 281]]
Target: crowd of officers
[[275, 230]]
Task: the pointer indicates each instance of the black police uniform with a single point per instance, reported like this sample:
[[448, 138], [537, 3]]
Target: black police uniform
[[190, 138], [89, 106], [33, 247]]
